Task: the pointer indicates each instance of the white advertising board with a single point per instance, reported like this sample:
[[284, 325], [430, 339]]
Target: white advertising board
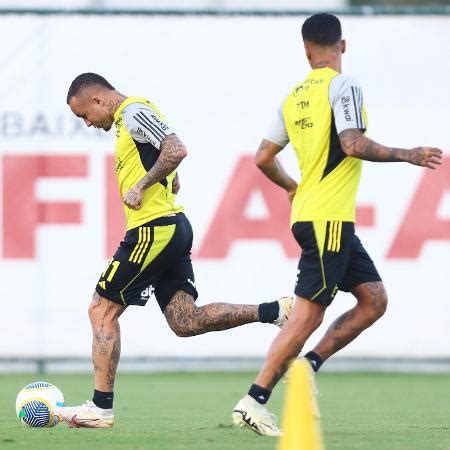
[[219, 81]]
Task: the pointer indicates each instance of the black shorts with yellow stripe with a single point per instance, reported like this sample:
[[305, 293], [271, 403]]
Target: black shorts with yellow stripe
[[153, 259], [332, 259]]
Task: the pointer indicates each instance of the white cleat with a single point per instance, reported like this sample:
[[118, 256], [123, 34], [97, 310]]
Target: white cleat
[[87, 415], [286, 304], [251, 414]]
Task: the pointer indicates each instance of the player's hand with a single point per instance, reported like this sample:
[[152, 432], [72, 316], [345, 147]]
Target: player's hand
[[426, 157], [133, 197], [176, 184]]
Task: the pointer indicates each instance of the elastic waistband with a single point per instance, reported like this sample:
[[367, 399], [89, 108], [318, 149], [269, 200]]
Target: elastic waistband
[[165, 220]]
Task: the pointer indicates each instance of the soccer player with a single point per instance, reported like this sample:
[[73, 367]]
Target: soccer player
[[154, 256], [324, 119]]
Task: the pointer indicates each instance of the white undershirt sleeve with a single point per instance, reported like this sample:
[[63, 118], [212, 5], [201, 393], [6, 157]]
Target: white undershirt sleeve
[[346, 99], [277, 132], [144, 125]]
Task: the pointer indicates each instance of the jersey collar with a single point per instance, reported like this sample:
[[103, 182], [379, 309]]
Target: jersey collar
[[123, 105]]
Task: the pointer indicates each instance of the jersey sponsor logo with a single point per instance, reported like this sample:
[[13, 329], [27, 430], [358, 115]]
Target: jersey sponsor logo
[[313, 81], [161, 124], [152, 124], [306, 85], [147, 136], [119, 165], [303, 104], [304, 123], [118, 124], [345, 101], [140, 131], [147, 293], [298, 91]]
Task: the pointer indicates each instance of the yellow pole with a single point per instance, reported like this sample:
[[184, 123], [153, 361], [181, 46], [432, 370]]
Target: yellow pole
[[301, 418]]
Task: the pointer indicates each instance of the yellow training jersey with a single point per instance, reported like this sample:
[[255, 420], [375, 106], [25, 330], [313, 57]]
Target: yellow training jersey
[[312, 116], [140, 129]]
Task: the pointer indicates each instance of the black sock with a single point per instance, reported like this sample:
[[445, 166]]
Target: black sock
[[103, 400], [268, 312], [260, 394], [315, 360]]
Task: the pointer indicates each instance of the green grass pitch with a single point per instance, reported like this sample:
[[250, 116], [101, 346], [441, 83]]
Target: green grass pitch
[[191, 411]]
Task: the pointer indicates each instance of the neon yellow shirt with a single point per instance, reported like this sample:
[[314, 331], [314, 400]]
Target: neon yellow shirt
[[140, 129], [312, 116]]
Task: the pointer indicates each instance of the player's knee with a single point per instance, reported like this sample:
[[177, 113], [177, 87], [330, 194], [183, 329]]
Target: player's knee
[[378, 304], [318, 321], [381, 305], [188, 327], [313, 323], [182, 315], [94, 312], [104, 312], [372, 299], [182, 329], [180, 324], [186, 332]]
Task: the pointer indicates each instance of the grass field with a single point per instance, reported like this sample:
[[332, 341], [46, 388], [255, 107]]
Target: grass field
[[172, 411]]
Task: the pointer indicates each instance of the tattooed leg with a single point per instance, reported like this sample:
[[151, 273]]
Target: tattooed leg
[[306, 316], [187, 319], [104, 316], [372, 302]]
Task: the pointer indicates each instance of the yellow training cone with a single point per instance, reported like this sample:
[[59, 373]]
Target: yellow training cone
[[301, 419]]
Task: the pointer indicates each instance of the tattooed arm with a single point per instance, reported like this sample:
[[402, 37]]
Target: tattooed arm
[[268, 163], [172, 153], [355, 144]]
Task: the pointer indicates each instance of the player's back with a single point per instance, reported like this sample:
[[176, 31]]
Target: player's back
[[314, 113]]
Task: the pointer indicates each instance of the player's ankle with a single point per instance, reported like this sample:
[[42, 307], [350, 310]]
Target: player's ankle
[[260, 394], [315, 360], [268, 312], [103, 400]]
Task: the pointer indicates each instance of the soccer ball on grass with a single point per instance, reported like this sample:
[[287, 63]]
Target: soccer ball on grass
[[35, 402]]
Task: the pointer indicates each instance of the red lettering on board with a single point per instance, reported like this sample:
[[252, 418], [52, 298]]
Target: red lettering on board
[[22, 212]]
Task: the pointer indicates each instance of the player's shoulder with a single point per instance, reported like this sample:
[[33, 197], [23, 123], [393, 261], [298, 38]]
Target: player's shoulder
[[143, 119], [136, 108], [343, 81]]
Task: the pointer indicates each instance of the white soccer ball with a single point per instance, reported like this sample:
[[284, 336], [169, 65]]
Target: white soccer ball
[[35, 402]]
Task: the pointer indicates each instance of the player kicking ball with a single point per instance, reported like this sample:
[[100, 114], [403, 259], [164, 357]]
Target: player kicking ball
[[154, 257]]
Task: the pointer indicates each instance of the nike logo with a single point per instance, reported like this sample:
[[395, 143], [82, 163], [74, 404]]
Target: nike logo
[[82, 423]]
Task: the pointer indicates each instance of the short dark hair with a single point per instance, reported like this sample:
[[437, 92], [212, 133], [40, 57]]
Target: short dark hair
[[322, 29], [86, 80]]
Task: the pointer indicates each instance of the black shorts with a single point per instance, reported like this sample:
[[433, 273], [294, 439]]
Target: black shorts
[[154, 258], [332, 259]]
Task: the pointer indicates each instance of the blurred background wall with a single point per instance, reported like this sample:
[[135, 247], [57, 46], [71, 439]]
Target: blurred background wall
[[213, 4], [219, 79]]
